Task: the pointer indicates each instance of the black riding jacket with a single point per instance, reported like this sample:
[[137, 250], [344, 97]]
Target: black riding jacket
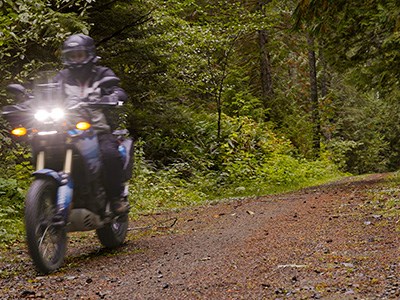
[[102, 119]]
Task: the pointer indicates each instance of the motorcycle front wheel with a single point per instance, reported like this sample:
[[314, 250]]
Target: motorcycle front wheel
[[47, 240]]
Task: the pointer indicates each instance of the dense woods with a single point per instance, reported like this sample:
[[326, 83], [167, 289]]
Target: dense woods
[[226, 98]]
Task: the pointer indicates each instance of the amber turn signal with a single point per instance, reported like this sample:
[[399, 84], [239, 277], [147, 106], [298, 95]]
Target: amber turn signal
[[83, 125], [20, 131]]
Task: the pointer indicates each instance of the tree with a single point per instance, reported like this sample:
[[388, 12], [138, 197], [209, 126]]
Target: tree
[[314, 96], [265, 61], [364, 35], [360, 42], [31, 33]]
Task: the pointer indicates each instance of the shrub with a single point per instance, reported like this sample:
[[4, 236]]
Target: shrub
[[11, 210]]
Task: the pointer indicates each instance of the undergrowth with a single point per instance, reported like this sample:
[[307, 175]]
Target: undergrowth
[[11, 210], [180, 186], [250, 160], [386, 200]]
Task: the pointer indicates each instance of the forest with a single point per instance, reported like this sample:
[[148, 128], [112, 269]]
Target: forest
[[227, 99]]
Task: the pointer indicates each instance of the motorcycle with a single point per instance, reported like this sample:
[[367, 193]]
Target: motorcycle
[[66, 194]]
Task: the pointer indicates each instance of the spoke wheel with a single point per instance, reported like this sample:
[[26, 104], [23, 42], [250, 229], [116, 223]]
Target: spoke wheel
[[47, 241]]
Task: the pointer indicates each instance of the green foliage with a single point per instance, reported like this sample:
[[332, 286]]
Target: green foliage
[[11, 210], [14, 157], [339, 152], [251, 161], [248, 146], [15, 170], [359, 129], [386, 201], [31, 32], [153, 190], [252, 153], [362, 36]]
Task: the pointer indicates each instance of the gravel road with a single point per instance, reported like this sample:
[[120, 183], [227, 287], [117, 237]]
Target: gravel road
[[326, 242]]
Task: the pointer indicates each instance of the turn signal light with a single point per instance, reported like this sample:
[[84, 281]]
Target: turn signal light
[[20, 131], [83, 125]]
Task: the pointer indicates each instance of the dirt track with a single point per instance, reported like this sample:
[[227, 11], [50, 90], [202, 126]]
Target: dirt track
[[319, 243]]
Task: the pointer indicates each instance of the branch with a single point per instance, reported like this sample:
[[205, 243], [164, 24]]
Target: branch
[[106, 4], [143, 19]]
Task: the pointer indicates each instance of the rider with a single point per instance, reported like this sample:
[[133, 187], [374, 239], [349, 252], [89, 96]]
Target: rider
[[79, 79]]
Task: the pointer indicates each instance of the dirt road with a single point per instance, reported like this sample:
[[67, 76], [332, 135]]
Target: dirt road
[[326, 242]]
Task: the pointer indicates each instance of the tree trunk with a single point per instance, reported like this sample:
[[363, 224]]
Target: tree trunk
[[314, 96], [324, 75], [265, 65], [267, 91]]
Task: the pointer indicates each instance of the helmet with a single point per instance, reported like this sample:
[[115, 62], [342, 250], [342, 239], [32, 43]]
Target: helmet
[[79, 52]]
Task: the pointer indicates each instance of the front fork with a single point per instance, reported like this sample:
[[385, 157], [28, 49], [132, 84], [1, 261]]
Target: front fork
[[66, 186], [65, 191]]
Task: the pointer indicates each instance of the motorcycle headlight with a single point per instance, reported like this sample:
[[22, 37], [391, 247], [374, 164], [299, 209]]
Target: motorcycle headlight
[[42, 115], [55, 114]]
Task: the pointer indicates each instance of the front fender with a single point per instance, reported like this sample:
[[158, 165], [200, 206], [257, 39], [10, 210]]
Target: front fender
[[49, 173], [64, 190]]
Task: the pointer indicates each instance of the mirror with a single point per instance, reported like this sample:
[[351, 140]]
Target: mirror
[[17, 91]]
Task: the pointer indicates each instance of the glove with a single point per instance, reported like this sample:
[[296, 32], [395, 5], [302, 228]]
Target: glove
[[109, 99], [94, 98]]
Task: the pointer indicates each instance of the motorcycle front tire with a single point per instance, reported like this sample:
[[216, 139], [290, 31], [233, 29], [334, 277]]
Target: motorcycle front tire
[[47, 242]]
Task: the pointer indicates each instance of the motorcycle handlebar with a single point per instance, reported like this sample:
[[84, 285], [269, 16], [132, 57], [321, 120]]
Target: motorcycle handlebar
[[10, 109]]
